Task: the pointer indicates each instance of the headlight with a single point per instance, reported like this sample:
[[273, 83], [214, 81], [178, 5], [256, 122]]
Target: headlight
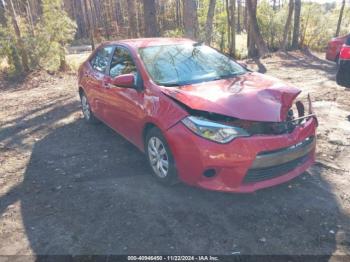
[[213, 131]]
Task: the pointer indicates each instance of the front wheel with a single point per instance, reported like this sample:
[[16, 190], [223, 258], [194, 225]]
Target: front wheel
[[160, 157]]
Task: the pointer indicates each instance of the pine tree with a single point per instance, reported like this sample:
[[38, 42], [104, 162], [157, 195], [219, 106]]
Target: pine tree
[[56, 28]]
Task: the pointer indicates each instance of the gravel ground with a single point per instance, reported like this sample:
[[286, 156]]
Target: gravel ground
[[70, 188]]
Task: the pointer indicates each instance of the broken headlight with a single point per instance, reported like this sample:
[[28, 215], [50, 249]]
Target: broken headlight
[[213, 131]]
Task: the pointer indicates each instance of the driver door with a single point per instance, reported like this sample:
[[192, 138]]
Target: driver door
[[124, 106]]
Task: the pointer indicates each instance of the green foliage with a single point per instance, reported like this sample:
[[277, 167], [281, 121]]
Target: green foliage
[[55, 30], [45, 46], [178, 32], [319, 23], [9, 50], [271, 23]]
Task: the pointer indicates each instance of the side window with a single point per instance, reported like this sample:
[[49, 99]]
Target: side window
[[100, 61], [121, 63]]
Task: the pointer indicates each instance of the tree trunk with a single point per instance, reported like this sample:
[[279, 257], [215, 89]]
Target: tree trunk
[[245, 18], [190, 19], [340, 19], [88, 8], [84, 19], [23, 53], [119, 15], [132, 19], [178, 13], [228, 15], [231, 24], [287, 25], [255, 30], [2, 13], [233, 29], [29, 18], [140, 18], [151, 26], [209, 23], [296, 29], [239, 9]]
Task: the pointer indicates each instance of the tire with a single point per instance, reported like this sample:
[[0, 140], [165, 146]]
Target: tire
[[343, 74], [158, 153], [86, 109], [337, 62]]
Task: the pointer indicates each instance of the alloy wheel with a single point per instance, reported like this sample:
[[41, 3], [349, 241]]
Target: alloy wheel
[[158, 157], [85, 107]]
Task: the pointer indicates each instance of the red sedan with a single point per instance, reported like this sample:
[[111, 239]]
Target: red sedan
[[199, 116], [343, 74], [334, 47]]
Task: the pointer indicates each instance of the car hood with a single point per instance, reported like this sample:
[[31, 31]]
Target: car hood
[[251, 96]]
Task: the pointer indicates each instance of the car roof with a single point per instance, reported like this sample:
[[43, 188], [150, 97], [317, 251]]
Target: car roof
[[145, 42], [342, 37]]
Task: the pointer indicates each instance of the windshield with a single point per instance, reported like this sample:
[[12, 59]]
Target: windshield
[[176, 65]]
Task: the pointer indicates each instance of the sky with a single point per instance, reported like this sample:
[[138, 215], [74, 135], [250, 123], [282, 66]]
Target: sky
[[323, 1]]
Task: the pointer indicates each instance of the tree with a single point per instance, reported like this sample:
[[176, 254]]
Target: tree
[[340, 18], [231, 24], [190, 19], [287, 25], [209, 23], [239, 9], [255, 33], [296, 29], [57, 28], [178, 13], [150, 19], [132, 19], [90, 23], [20, 43], [2, 14]]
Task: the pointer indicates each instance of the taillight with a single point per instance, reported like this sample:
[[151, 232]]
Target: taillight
[[345, 52]]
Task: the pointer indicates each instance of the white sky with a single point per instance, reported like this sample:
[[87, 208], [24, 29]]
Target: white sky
[[323, 1]]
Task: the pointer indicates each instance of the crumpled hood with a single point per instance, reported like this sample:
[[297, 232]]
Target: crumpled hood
[[252, 96]]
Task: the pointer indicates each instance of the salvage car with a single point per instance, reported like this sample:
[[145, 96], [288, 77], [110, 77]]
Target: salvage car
[[343, 73], [334, 47], [199, 116]]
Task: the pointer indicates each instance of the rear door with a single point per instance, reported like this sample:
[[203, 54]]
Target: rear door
[[96, 75]]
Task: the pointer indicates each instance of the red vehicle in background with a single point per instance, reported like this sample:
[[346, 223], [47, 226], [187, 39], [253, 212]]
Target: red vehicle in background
[[334, 47], [343, 74]]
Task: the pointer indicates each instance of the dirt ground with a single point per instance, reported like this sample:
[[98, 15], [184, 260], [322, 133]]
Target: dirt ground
[[70, 188]]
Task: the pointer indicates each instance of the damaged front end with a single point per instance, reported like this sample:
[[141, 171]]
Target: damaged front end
[[223, 129]]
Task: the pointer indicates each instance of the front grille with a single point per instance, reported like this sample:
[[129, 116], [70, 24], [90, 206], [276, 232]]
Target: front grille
[[261, 174]]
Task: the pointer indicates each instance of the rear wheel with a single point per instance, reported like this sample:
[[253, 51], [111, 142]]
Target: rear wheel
[[87, 113], [337, 61], [160, 157]]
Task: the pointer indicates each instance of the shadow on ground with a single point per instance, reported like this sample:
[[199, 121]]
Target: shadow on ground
[[88, 191]]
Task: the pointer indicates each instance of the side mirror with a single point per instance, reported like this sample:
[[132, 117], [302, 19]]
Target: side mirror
[[127, 81]]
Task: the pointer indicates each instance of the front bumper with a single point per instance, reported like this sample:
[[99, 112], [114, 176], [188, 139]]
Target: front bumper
[[246, 164]]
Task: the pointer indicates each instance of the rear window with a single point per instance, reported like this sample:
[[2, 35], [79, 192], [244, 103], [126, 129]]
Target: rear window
[[100, 61], [348, 41]]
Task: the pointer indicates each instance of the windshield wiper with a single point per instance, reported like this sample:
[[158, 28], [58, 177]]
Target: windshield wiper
[[229, 76]]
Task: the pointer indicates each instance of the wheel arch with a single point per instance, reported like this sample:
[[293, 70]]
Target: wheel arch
[[81, 91], [147, 127]]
